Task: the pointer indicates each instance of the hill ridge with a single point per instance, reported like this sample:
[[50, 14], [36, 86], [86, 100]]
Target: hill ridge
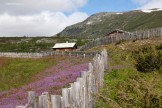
[[97, 25]]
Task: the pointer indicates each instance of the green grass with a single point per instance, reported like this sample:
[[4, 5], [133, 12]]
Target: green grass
[[124, 86], [15, 72], [34, 44]]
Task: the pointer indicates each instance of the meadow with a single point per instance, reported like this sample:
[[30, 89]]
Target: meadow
[[49, 74], [125, 84], [35, 44]]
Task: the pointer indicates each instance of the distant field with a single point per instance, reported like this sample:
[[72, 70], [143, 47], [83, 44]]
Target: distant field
[[125, 86], [34, 44]]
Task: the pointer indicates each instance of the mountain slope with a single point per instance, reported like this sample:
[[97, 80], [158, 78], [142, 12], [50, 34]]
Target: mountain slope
[[100, 24]]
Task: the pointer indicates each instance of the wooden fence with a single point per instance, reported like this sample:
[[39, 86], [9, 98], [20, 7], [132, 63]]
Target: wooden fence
[[45, 54], [23, 55], [137, 35], [80, 94], [76, 53]]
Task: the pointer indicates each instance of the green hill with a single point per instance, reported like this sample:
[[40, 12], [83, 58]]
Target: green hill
[[134, 76], [100, 24]]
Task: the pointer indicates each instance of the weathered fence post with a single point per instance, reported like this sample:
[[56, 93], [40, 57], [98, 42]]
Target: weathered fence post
[[160, 31], [84, 55], [105, 56], [56, 101], [62, 103], [31, 99], [70, 54], [43, 101], [65, 97]]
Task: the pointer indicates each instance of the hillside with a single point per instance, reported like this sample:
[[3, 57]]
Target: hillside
[[134, 77], [100, 24]]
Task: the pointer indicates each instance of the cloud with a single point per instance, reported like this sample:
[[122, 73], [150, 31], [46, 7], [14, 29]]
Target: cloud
[[38, 17], [149, 4], [44, 24], [35, 6]]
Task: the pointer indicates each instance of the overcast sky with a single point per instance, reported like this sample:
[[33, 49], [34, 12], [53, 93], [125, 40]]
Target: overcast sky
[[49, 17]]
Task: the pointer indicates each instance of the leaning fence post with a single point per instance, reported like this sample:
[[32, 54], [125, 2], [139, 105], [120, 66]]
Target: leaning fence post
[[56, 101], [31, 99]]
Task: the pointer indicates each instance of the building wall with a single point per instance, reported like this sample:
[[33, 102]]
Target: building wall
[[65, 49], [115, 34]]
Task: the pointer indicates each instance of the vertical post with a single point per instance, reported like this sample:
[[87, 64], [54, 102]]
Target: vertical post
[[77, 97], [160, 31], [84, 55], [43, 101], [65, 97], [56, 101], [70, 54], [148, 35], [62, 53], [71, 95], [31, 99], [62, 103]]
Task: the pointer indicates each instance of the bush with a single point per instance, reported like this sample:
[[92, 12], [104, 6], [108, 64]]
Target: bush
[[147, 59], [120, 42], [159, 47]]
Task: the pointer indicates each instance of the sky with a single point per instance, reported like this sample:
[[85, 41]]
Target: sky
[[49, 17]]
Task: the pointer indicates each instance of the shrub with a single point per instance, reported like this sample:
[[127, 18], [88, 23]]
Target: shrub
[[159, 47], [120, 42], [147, 59]]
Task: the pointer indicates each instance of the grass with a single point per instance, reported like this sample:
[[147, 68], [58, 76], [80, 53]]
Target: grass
[[34, 44], [16, 72], [124, 86], [40, 75]]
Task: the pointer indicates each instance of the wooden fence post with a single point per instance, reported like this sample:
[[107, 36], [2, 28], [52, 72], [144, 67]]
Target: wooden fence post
[[71, 96], [160, 31], [70, 54], [62, 103], [65, 96], [77, 96], [31, 99], [105, 56], [84, 55], [56, 101], [43, 101]]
